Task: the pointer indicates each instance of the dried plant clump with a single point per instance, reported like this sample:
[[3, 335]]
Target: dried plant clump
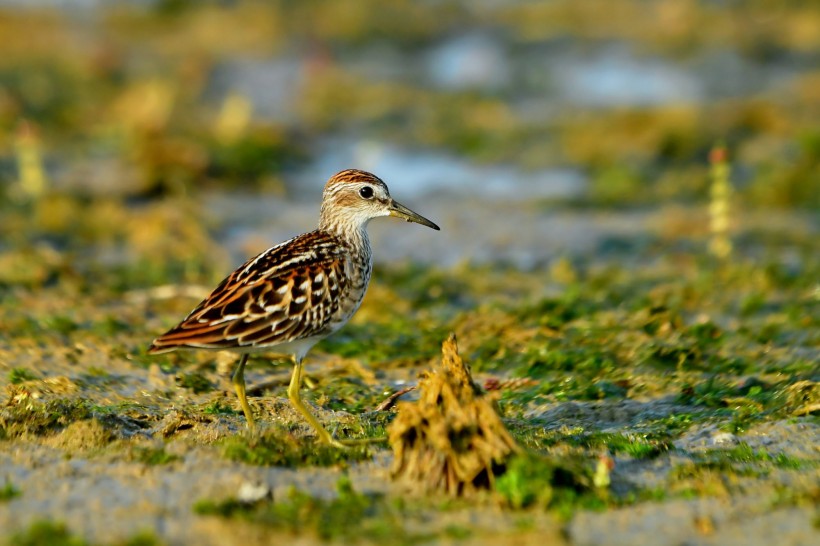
[[452, 440]]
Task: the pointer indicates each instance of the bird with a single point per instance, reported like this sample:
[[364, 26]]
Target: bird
[[294, 294]]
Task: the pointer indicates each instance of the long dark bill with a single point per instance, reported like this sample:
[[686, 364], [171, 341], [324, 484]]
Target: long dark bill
[[400, 211]]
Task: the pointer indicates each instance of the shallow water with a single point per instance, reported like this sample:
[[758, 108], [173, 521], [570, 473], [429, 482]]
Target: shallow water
[[429, 175], [473, 230]]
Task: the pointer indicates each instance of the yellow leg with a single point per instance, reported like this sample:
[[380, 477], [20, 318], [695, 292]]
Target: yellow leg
[[238, 380], [324, 435], [296, 400]]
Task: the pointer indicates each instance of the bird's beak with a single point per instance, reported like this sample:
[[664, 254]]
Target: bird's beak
[[400, 211]]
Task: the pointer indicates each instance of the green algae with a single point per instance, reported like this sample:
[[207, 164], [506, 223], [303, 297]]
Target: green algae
[[46, 533], [349, 516], [531, 480], [632, 337], [55, 533], [217, 407], [635, 445], [196, 382], [611, 334], [369, 342], [19, 375], [8, 491], [40, 419], [278, 447], [744, 454], [152, 455]]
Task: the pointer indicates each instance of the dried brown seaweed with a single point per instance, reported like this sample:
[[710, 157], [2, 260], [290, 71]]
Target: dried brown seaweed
[[451, 440]]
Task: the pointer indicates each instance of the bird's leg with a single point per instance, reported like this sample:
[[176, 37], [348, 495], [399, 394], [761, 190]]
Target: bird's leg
[[238, 380], [324, 435], [296, 400]]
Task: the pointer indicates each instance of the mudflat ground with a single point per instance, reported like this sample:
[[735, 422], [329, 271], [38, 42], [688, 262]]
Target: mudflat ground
[[694, 378]]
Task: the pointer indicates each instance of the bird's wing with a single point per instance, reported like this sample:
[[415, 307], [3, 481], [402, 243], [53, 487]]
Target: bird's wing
[[288, 292]]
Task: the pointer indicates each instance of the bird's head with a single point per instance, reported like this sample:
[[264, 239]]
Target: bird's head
[[352, 198]]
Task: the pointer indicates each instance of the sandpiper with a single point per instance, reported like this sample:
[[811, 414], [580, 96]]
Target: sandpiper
[[289, 297]]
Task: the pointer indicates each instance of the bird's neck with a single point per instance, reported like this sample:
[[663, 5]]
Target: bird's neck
[[353, 235]]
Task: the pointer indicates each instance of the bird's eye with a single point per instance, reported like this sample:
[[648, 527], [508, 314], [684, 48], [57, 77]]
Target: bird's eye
[[366, 192]]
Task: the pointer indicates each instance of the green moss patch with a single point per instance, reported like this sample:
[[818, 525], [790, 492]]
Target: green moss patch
[[277, 447], [348, 517], [152, 455], [38, 419], [564, 485], [46, 533], [8, 491]]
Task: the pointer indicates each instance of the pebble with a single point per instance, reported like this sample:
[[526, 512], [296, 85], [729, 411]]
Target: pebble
[[722, 438], [250, 492]]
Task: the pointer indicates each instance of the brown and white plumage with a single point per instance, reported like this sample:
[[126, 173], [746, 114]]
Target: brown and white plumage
[[294, 294], [290, 292]]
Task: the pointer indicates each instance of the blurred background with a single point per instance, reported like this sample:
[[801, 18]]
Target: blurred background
[[170, 140]]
